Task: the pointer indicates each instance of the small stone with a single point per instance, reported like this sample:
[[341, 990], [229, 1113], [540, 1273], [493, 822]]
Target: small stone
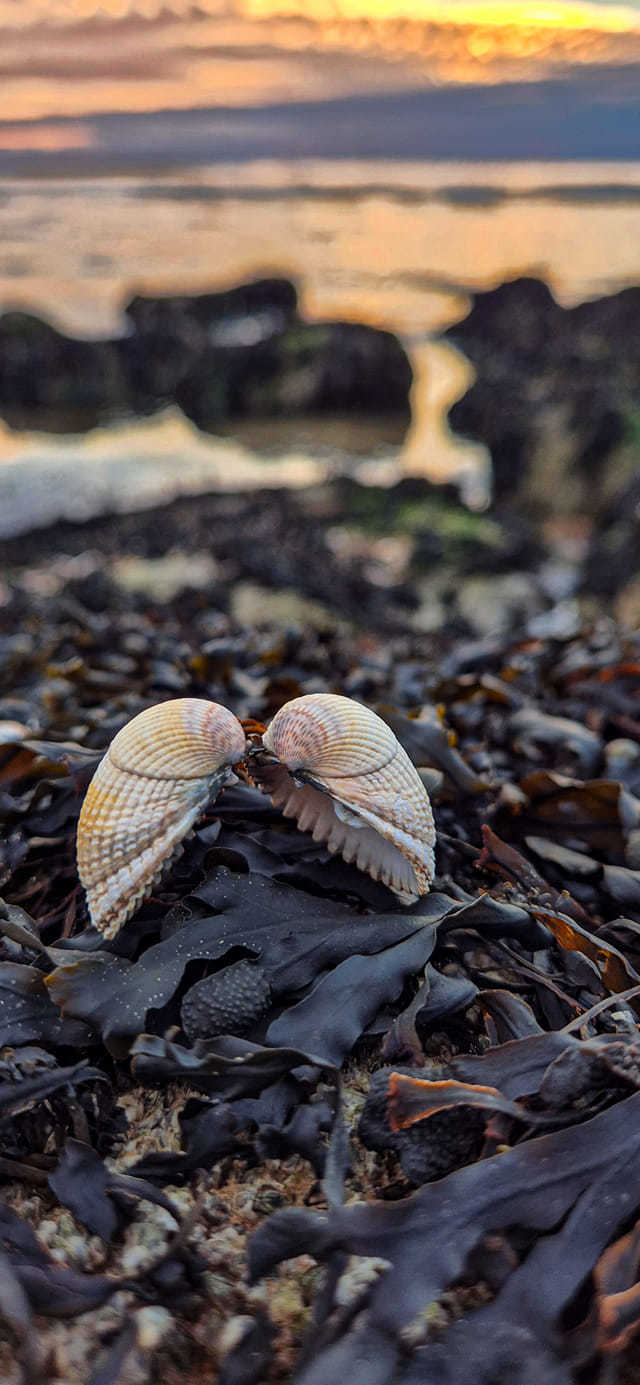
[[495, 603], [153, 1325], [250, 603], [268, 1200], [133, 1259], [233, 1333], [361, 1272], [219, 1290]]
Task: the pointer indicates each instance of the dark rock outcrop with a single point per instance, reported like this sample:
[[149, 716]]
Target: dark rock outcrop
[[555, 396], [54, 382], [612, 565], [241, 353], [324, 367], [273, 302]]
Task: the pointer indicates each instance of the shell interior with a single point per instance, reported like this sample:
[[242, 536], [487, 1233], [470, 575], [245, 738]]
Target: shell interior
[[358, 835]]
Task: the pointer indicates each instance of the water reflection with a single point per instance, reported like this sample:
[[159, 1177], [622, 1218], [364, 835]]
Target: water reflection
[[371, 242]]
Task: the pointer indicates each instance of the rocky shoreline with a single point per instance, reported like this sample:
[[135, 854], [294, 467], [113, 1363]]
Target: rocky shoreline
[[556, 395], [555, 400], [240, 353]]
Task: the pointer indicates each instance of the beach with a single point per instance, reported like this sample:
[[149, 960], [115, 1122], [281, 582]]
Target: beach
[[396, 245]]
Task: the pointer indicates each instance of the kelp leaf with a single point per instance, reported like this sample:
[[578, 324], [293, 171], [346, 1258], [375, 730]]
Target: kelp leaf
[[507, 1016], [108, 1372], [20, 1096], [428, 1236], [531, 727], [616, 973], [497, 919], [228, 1067], [521, 1325], [414, 1099], [28, 1015], [340, 1006], [294, 934], [83, 1183], [599, 811], [208, 1134], [617, 1306], [575, 864], [51, 1289], [16, 1314]]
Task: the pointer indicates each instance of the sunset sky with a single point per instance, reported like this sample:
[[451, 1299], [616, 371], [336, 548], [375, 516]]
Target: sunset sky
[[606, 13], [570, 13], [86, 61]]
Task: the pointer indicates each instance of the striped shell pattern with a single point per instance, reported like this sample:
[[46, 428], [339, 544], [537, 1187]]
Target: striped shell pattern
[[339, 770], [156, 778]]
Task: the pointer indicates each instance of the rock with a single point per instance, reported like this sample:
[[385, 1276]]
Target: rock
[[319, 367], [554, 397], [335, 555], [153, 1324], [53, 382], [173, 336], [250, 603], [162, 578], [242, 353], [612, 565], [231, 314], [490, 605]]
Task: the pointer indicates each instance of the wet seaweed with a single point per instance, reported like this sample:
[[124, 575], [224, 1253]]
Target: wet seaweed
[[273, 1033]]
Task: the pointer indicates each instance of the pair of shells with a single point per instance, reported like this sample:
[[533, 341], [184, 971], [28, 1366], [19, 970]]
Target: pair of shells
[[325, 760]]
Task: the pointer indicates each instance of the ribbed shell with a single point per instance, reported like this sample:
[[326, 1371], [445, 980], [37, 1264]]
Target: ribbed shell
[[366, 800], [154, 781], [330, 736]]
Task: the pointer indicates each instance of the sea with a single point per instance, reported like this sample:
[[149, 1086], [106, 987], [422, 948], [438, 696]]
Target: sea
[[397, 244]]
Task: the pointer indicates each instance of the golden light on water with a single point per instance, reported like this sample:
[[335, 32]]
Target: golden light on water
[[391, 255]]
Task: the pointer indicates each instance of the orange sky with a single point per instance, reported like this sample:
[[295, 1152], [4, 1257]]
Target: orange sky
[[83, 57], [570, 14]]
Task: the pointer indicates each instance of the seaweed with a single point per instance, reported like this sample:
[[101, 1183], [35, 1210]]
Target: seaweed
[[436, 1105]]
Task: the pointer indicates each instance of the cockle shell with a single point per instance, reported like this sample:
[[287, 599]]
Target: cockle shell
[[154, 781], [340, 771]]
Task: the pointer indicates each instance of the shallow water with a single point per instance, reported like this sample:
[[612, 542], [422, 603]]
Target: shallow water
[[396, 245]]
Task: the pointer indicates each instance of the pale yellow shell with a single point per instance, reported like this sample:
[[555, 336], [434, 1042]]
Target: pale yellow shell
[[154, 781], [339, 770]]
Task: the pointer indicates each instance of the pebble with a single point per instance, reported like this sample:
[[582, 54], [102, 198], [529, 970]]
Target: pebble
[[153, 1324]]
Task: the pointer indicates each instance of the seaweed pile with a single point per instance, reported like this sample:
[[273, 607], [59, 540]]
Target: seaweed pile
[[436, 1107]]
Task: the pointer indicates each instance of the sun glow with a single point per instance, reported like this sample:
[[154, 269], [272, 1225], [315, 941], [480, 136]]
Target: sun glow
[[82, 58], [559, 14]]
